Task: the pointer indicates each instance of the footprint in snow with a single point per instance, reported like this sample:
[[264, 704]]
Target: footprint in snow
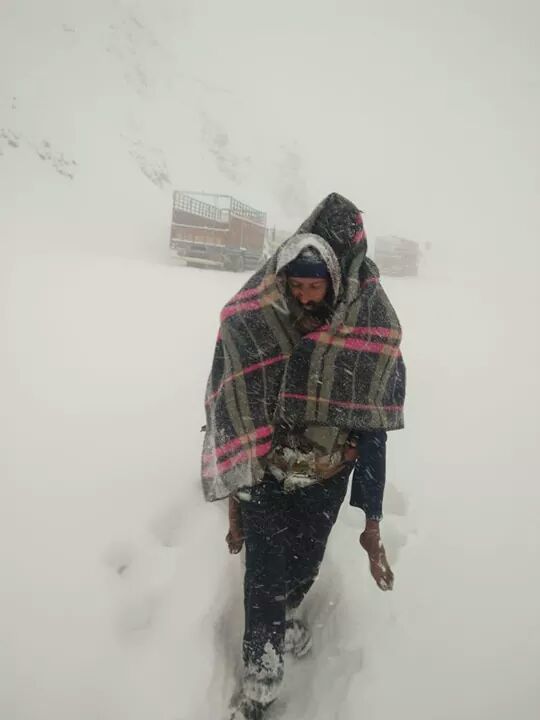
[[144, 575], [119, 557]]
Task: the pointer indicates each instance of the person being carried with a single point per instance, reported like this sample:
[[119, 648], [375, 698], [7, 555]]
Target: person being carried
[[307, 379]]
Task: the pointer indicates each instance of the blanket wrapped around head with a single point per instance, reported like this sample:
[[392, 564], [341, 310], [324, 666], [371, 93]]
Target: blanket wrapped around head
[[348, 373]]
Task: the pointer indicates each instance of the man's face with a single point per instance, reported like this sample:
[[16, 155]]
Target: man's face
[[309, 292]]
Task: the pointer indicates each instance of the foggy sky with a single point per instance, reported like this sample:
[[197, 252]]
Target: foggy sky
[[426, 113]]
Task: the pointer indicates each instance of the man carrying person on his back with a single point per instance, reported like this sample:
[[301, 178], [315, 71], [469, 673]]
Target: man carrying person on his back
[[306, 380]]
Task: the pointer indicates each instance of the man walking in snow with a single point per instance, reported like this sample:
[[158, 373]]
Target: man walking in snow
[[306, 380]]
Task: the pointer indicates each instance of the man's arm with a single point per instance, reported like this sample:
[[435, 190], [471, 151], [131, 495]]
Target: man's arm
[[367, 492], [369, 475]]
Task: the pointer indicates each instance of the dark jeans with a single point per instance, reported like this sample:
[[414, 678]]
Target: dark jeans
[[285, 539]]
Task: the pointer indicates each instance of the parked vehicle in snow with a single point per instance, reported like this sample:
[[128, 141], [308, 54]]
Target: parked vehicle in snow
[[216, 231], [396, 255]]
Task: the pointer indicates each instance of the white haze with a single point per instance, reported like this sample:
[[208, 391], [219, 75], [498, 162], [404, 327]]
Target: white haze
[[118, 598]]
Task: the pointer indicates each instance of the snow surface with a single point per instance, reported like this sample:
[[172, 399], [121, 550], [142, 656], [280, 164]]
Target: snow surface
[[119, 599]]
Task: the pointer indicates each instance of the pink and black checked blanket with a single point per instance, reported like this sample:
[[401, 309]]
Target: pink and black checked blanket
[[347, 374]]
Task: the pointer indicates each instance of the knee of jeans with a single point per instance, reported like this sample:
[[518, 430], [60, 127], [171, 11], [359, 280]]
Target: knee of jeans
[[265, 558], [265, 590]]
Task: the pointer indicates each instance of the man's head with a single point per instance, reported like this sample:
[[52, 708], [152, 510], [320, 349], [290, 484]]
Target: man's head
[[308, 279], [309, 292]]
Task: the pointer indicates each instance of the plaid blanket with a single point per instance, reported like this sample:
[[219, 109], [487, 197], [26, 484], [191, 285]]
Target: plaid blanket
[[348, 373]]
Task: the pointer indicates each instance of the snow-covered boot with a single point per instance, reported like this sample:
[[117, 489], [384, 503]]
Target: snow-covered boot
[[243, 708], [298, 638]]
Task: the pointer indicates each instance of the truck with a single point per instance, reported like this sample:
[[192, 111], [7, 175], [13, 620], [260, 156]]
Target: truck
[[216, 231], [397, 255]]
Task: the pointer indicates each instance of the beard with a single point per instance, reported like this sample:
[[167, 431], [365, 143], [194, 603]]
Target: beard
[[307, 318]]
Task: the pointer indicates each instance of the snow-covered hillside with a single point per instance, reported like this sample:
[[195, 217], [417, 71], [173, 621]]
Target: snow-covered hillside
[[100, 119], [119, 599]]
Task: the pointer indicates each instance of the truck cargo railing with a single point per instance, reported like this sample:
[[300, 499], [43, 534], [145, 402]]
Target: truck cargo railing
[[218, 210], [198, 207], [245, 211]]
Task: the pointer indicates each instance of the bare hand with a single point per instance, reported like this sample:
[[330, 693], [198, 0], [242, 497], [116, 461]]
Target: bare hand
[[235, 541], [235, 536], [371, 541]]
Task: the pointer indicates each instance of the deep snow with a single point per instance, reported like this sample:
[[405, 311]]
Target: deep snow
[[122, 600]]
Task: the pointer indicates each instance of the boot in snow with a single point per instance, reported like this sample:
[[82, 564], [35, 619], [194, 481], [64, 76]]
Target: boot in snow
[[298, 639], [246, 709]]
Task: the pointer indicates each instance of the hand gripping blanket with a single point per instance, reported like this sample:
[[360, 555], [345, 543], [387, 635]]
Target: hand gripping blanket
[[348, 373]]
